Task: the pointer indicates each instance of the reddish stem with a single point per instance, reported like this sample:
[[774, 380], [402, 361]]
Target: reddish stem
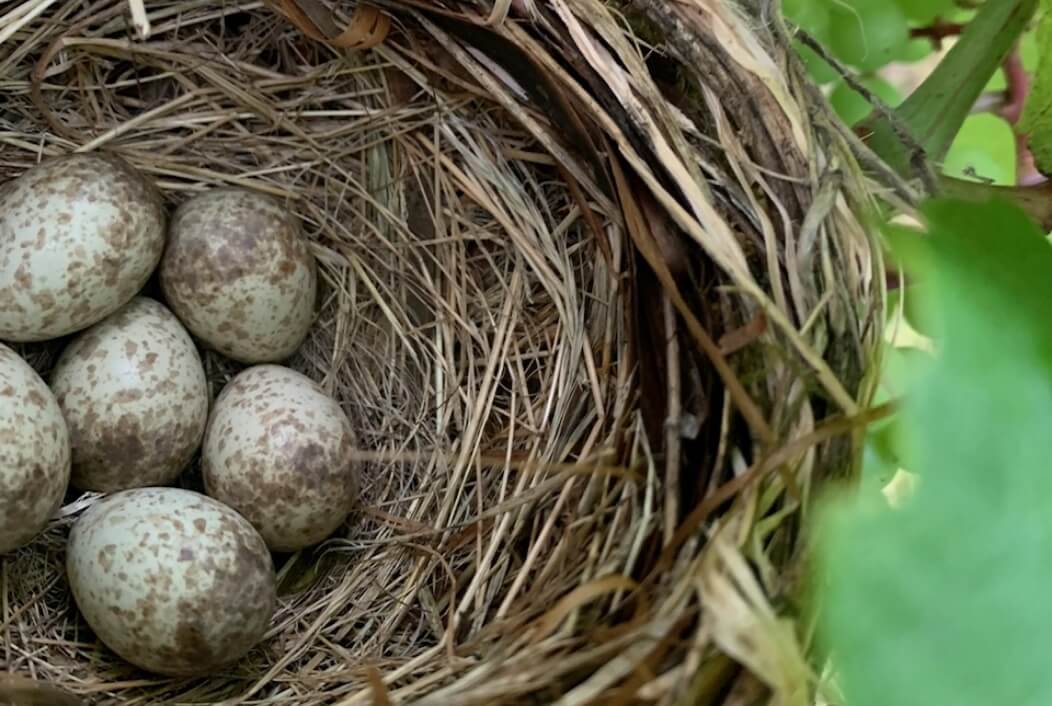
[[1018, 87], [1018, 82]]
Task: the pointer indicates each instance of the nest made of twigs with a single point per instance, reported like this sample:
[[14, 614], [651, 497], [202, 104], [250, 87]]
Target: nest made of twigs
[[599, 310]]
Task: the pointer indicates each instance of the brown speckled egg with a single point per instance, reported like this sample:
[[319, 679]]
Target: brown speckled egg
[[79, 237], [134, 393], [277, 450], [240, 275], [171, 580], [34, 452]]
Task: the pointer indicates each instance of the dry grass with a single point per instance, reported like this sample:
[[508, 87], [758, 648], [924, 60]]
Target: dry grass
[[591, 341]]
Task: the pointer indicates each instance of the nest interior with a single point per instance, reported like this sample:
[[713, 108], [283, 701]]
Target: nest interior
[[597, 300]]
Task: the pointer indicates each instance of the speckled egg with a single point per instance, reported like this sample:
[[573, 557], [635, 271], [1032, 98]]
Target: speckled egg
[[277, 450], [34, 452], [134, 393], [171, 580], [79, 236], [240, 275]]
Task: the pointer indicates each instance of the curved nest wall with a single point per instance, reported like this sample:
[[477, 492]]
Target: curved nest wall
[[596, 299]]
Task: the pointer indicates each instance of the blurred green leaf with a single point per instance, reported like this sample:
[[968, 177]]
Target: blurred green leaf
[[944, 602], [916, 314], [916, 50], [901, 368], [877, 470], [883, 439]]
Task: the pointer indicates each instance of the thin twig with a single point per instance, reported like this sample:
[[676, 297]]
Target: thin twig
[[921, 166]]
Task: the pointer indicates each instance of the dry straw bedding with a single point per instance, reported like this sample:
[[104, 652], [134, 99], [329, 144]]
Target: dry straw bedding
[[599, 309]]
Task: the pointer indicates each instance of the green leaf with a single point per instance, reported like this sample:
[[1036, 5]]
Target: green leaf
[[1037, 115], [852, 107], [945, 601], [868, 33], [925, 11], [812, 15], [820, 71], [984, 149]]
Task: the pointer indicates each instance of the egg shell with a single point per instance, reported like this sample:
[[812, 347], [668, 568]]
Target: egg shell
[[34, 453], [171, 580], [277, 450], [134, 394], [239, 273], [79, 237]]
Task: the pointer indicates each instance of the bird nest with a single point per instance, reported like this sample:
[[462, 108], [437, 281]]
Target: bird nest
[[597, 297]]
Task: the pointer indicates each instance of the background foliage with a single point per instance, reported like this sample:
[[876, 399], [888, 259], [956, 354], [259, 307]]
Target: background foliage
[[935, 596], [892, 43]]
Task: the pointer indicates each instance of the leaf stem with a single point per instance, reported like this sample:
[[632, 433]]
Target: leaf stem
[[935, 111]]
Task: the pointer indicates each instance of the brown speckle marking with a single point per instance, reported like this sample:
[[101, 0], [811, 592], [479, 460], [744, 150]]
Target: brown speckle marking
[[105, 560], [289, 473], [36, 218], [35, 453], [137, 416], [239, 273], [37, 398], [147, 363], [215, 588], [125, 396]]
